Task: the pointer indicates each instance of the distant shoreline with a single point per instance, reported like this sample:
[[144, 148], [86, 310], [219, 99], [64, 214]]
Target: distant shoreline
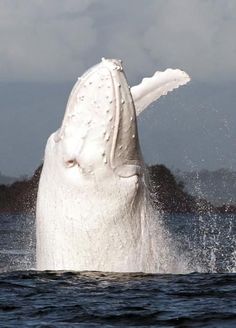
[[168, 195]]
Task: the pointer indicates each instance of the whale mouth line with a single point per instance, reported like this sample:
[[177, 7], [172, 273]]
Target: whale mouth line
[[117, 96]]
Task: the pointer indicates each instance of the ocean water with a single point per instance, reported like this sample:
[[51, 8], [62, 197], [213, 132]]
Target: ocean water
[[204, 298]]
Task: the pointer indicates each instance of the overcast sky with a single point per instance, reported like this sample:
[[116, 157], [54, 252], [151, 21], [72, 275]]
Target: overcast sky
[[46, 44]]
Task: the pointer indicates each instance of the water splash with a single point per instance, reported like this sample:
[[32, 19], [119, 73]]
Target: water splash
[[208, 241], [184, 243]]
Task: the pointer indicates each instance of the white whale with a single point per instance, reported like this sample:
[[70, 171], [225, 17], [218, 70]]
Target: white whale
[[93, 207]]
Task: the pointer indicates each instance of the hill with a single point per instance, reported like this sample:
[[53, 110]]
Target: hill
[[168, 194]]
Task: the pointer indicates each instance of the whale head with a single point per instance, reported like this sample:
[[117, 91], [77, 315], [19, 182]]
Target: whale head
[[99, 131]]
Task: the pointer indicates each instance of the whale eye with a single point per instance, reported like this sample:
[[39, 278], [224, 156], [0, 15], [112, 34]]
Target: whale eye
[[70, 163]]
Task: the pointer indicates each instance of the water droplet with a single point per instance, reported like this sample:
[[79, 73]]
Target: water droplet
[[133, 136], [105, 160], [122, 101], [131, 118]]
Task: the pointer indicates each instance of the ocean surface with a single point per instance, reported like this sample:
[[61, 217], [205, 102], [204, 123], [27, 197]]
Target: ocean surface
[[205, 297]]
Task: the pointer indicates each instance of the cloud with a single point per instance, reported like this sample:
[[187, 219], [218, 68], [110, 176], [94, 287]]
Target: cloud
[[58, 39], [48, 42], [196, 35], [44, 40]]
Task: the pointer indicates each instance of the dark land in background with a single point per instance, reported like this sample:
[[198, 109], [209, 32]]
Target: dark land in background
[[188, 192]]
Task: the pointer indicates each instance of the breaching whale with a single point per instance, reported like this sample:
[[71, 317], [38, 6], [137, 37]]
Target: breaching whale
[[93, 206]]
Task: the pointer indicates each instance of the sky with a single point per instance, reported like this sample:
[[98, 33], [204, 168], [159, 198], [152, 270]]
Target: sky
[[46, 44]]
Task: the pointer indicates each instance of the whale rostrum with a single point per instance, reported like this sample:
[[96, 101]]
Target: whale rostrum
[[93, 206]]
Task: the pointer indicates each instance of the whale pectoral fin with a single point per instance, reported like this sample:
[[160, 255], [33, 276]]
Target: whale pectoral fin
[[128, 170], [152, 88]]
